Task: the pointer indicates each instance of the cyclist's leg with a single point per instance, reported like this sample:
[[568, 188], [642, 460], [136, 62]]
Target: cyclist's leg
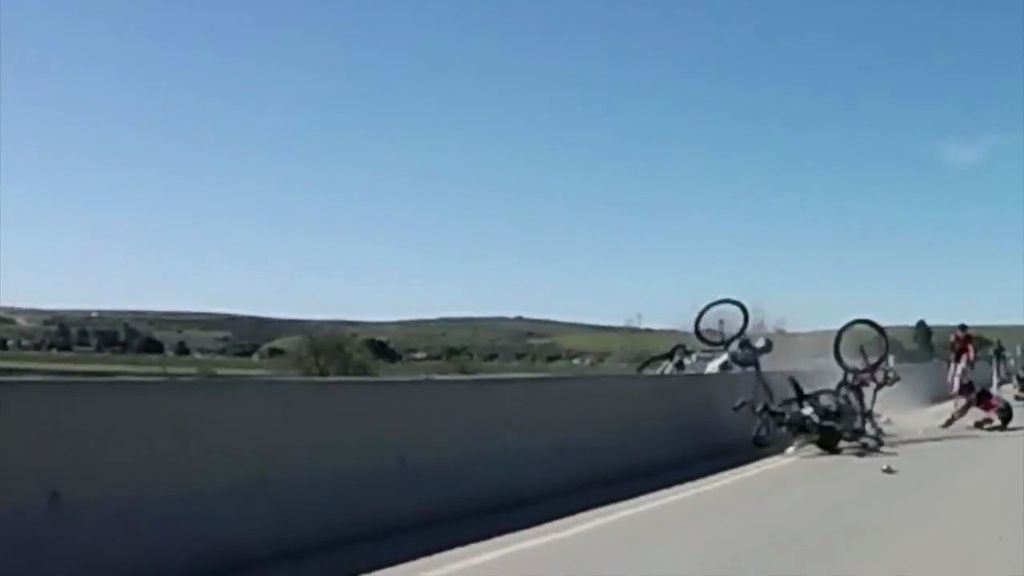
[[957, 371], [1005, 416]]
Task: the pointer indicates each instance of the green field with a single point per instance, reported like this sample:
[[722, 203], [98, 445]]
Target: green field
[[22, 362], [450, 345]]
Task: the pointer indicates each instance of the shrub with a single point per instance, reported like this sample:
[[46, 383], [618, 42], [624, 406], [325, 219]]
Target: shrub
[[381, 350], [923, 339], [982, 343], [130, 336], [333, 355], [148, 345], [61, 340], [182, 349], [452, 352], [107, 340], [274, 352], [464, 365]]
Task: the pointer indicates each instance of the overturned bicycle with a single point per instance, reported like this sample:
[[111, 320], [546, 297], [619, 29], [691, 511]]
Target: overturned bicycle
[[826, 417]]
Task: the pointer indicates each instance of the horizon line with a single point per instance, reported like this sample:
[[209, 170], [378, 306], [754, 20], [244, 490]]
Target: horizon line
[[425, 318]]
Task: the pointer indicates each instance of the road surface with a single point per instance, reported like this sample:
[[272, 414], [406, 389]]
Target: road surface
[[955, 505]]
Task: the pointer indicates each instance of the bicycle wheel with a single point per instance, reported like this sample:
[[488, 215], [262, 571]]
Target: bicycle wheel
[[721, 322], [828, 440], [654, 364], [861, 346], [671, 362]]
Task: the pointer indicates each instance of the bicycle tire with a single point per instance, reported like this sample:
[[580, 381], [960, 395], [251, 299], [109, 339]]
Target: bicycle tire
[[666, 357], [725, 341], [828, 440], [872, 365], [652, 360]]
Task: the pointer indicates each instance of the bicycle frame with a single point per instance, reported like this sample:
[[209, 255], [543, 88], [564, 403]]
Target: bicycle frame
[[760, 382], [803, 418], [674, 361], [855, 383]]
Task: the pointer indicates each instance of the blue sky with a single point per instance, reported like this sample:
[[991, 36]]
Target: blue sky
[[581, 160]]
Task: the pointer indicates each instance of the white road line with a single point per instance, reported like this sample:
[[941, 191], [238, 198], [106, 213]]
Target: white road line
[[725, 478]]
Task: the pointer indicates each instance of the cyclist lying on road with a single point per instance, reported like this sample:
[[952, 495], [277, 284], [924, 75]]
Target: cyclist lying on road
[[984, 400]]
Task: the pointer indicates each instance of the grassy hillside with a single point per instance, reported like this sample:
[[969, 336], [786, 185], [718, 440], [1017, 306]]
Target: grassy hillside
[[495, 344]]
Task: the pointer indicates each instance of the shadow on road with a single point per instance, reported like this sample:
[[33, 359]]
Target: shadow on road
[[1008, 429], [340, 558], [860, 451], [848, 451], [935, 439]]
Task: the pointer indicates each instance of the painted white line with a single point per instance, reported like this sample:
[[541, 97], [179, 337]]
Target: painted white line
[[724, 479]]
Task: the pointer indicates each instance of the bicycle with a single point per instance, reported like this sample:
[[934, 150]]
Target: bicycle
[[675, 361], [730, 339], [824, 417], [829, 417], [857, 418], [808, 417], [680, 357]]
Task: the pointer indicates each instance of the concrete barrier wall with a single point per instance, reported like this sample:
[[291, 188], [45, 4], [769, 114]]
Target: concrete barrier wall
[[129, 477]]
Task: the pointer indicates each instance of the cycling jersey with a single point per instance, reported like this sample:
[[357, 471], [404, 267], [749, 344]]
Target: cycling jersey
[[985, 400], [960, 346]]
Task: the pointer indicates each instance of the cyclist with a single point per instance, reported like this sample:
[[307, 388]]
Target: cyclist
[[743, 354], [1019, 377], [961, 357], [983, 399]]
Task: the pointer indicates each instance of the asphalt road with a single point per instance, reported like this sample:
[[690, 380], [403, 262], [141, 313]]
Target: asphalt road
[[955, 505]]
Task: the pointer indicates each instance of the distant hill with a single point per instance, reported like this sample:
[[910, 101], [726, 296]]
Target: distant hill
[[502, 341]]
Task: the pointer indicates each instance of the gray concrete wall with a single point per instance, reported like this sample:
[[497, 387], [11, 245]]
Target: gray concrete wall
[[137, 476]]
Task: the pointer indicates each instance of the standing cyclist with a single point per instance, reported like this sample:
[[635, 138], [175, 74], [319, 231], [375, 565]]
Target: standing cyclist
[[961, 357]]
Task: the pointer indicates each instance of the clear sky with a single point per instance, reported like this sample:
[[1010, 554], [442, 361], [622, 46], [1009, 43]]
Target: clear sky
[[582, 160]]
